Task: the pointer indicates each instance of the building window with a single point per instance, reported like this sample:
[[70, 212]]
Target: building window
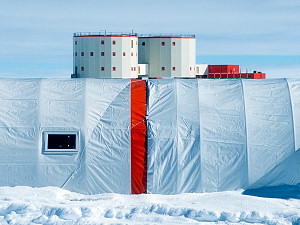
[[82, 53], [91, 53], [173, 43], [163, 43], [124, 53], [131, 53], [82, 68], [173, 68], [114, 54], [102, 68], [114, 42], [131, 43], [143, 43], [131, 68], [114, 68], [75, 53], [75, 42], [190, 68], [63, 142], [102, 53], [163, 68], [102, 42], [134, 68]]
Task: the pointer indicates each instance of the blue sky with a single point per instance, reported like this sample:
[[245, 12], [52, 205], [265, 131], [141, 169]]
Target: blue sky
[[36, 36]]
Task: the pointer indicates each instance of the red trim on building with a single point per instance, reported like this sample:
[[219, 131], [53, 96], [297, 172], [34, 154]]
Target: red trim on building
[[138, 136], [169, 37], [104, 36]]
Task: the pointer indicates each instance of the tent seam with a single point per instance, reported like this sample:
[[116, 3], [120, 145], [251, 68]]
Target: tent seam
[[177, 152], [246, 131], [292, 112], [200, 141]]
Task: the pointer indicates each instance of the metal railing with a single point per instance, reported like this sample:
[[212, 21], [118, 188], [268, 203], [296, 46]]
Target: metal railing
[[168, 35], [103, 33]]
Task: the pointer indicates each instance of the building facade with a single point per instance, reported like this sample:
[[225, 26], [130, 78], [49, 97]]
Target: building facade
[[101, 55], [168, 56]]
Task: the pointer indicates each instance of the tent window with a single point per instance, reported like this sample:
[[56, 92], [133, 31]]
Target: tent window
[[61, 142]]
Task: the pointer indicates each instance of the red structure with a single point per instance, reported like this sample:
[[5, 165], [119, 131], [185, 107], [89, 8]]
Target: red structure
[[138, 136], [232, 71]]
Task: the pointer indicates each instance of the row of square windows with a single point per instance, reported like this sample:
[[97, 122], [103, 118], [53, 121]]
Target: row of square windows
[[102, 42], [173, 68], [163, 43], [133, 68], [113, 68], [103, 54]]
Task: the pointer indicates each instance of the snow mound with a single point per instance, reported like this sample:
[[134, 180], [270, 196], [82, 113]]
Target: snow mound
[[52, 205]]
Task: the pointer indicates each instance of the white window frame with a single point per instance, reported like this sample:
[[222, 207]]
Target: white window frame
[[60, 151]]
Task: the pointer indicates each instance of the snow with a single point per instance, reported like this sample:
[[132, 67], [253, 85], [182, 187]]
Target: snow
[[52, 205]]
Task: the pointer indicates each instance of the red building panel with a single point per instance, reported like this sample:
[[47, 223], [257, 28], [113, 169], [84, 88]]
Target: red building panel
[[138, 137]]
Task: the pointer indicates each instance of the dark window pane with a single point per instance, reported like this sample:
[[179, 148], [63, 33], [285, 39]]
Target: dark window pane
[[61, 141]]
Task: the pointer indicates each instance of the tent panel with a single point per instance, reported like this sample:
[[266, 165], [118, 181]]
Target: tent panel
[[294, 87], [269, 126], [223, 135]]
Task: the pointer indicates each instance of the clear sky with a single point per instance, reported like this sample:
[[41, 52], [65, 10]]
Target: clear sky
[[264, 35]]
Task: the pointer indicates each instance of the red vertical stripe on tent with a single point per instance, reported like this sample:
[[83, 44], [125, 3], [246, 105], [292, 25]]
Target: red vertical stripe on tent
[[138, 137]]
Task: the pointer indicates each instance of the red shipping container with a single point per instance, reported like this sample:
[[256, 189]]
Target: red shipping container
[[217, 75], [214, 69], [233, 69], [230, 75], [224, 68], [230, 68], [211, 75], [211, 69]]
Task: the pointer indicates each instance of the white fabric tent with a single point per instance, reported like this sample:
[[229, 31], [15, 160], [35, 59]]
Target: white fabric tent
[[216, 135], [203, 135], [99, 110]]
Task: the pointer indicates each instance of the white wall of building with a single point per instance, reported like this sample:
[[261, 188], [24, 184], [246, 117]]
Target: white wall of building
[[143, 69], [105, 56], [201, 69], [168, 56]]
